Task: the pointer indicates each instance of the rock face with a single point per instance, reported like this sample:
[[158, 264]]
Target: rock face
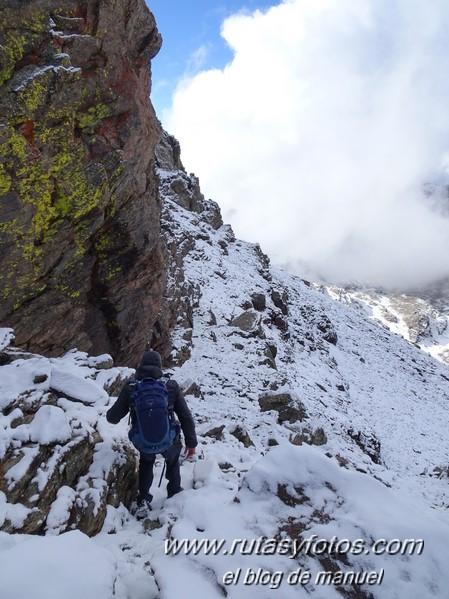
[[80, 221], [180, 191]]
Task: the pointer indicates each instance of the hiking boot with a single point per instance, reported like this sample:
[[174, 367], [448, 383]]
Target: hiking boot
[[143, 509], [171, 493]]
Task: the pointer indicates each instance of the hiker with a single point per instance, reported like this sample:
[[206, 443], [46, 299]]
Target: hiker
[[151, 368]]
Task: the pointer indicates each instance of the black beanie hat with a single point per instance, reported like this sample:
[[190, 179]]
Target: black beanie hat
[[151, 358]]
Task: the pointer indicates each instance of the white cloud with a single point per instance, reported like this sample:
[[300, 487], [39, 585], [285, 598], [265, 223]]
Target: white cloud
[[197, 59], [316, 139]]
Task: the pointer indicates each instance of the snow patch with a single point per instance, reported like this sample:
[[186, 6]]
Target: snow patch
[[6, 336], [77, 388], [50, 425], [69, 566]]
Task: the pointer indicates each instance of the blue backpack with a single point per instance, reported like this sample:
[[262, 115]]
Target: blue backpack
[[153, 427]]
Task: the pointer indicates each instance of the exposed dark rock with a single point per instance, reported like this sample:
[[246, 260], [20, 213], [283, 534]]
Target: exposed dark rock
[[192, 388], [65, 465], [242, 435], [225, 466], [212, 320], [325, 326], [270, 353], [264, 262], [80, 238], [181, 295], [368, 443], [247, 321], [273, 349], [279, 322], [292, 414], [181, 191], [277, 384], [150, 524], [291, 496], [215, 433], [168, 153], [114, 388], [259, 301], [283, 403], [316, 437], [33, 523], [103, 362], [440, 472], [280, 300], [89, 511], [331, 337], [5, 358]]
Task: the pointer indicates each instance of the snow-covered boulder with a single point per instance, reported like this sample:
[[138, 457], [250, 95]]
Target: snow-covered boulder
[[58, 472]]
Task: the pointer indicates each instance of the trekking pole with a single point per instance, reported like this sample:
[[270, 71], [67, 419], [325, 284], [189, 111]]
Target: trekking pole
[[162, 474]]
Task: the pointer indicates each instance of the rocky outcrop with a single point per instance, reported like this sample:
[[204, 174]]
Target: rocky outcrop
[[242, 435], [59, 469], [182, 188], [368, 443], [247, 322], [311, 437], [179, 192], [284, 404], [80, 239]]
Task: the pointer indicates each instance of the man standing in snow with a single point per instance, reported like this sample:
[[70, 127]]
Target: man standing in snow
[[150, 367]]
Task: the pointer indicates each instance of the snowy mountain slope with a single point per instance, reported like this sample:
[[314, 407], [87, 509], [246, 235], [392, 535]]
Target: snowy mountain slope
[[363, 381], [357, 424], [421, 318]]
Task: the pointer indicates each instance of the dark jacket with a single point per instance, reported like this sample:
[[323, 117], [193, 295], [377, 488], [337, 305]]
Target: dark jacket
[[176, 403]]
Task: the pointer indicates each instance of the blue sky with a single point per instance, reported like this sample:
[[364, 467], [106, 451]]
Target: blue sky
[[191, 40]]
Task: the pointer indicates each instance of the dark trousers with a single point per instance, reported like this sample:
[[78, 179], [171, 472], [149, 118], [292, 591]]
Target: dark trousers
[[172, 471]]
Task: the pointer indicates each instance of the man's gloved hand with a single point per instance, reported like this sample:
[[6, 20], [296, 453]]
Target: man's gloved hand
[[189, 452]]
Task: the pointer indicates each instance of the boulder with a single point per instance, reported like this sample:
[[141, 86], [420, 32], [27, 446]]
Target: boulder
[[316, 437], [326, 327], [216, 432], [368, 443], [280, 300], [248, 321], [242, 435], [259, 301], [192, 388], [288, 409]]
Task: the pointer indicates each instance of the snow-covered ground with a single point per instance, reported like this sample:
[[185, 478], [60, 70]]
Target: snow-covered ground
[[375, 405], [420, 320]]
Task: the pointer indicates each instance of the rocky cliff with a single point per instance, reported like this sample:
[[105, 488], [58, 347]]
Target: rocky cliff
[[82, 262]]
